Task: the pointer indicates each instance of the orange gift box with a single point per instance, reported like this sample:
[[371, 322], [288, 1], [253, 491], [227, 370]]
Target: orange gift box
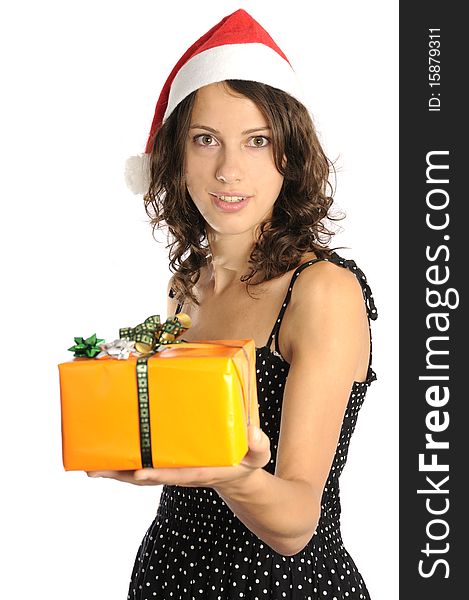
[[202, 396]]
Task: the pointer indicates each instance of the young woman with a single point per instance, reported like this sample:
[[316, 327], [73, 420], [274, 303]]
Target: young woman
[[236, 173]]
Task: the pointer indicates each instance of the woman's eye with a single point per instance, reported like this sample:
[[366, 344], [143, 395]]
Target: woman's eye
[[259, 141], [204, 140]]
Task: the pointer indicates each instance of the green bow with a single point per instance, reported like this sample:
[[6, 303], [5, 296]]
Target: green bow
[[86, 348]]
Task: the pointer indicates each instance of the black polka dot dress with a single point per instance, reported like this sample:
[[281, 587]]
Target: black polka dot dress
[[196, 548]]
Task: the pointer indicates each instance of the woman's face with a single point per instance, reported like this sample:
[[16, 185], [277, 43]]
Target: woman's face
[[230, 170]]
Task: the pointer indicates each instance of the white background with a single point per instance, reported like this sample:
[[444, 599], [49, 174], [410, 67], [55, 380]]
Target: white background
[[80, 81]]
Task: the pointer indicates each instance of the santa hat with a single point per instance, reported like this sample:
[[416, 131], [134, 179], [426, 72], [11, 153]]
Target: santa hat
[[236, 48]]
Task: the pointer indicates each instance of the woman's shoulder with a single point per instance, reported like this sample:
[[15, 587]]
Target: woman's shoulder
[[325, 290], [326, 303], [318, 277]]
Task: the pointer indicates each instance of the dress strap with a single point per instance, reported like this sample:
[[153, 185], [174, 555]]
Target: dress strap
[[367, 293], [180, 304], [369, 302]]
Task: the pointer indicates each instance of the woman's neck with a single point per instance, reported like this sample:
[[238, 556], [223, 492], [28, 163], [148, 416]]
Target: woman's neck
[[229, 259]]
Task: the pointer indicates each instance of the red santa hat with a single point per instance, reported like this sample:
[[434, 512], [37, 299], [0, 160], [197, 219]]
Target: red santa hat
[[238, 47]]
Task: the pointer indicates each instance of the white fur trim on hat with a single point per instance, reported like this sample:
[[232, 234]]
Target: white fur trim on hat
[[251, 62]]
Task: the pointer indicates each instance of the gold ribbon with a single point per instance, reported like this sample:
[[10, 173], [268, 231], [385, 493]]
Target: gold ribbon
[[152, 333]]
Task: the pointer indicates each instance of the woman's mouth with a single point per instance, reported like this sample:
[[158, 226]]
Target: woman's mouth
[[229, 202]]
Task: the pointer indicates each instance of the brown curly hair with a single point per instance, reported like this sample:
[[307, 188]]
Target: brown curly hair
[[295, 226]]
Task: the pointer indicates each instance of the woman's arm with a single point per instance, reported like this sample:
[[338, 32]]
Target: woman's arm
[[282, 513], [325, 327]]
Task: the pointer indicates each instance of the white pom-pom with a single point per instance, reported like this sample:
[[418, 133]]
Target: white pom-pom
[[137, 173]]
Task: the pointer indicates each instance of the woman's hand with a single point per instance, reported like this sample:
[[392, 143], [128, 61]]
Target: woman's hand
[[257, 456]]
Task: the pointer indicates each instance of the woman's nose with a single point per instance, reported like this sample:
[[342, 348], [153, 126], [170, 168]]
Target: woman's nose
[[229, 167]]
